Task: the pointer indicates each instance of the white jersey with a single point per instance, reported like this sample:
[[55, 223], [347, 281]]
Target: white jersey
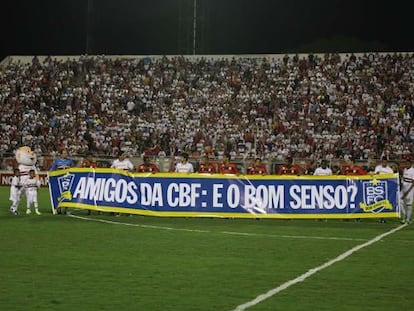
[[379, 169], [15, 189], [184, 167], [24, 171], [407, 191], [123, 165], [31, 185], [320, 171], [408, 175]]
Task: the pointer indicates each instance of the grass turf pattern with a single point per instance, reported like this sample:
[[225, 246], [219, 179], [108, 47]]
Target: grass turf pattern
[[64, 263]]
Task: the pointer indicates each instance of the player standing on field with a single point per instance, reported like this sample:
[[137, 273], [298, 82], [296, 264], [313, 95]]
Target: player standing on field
[[323, 169], [351, 169], [257, 168], [147, 166], [15, 191], [289, 168], [31, 185], [383, 168], [89, 162], [184, 166], [205, 166], [407, 192], [62, 162], [227, 167], [122, 163]]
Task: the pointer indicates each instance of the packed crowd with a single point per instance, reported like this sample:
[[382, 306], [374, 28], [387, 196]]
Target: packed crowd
[[330, 106]]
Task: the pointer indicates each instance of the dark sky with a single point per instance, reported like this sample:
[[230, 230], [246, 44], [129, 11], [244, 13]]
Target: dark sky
[[223, 26]]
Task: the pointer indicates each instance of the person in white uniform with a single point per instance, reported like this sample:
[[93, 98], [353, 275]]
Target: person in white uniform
[[31, 186], [184, 166], [122, 163], [407, 193], [323, 170], [15, 191], [383, 168]]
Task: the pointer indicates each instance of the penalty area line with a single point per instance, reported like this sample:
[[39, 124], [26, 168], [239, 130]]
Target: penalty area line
[[220, 232], [312, 271]]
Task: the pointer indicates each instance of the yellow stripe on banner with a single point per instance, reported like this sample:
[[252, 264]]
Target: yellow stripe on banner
[[219, 176], [224, 215], [371, 207]]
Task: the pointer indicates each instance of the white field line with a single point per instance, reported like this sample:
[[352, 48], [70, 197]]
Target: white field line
[[294, 236], [312, 271], [135, 225], [222, 232]]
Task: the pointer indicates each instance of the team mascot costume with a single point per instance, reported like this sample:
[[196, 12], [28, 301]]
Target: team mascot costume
[[26, 159]]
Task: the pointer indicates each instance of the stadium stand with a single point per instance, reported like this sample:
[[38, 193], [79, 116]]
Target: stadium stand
[[307, 107]]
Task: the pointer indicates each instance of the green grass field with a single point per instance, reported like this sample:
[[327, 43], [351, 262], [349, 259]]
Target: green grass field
[[103, 262]]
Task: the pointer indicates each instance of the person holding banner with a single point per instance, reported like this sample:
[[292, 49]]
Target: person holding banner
[[323, 169], [383, 168], [206, 167], [290, 168], [257, 168], [147, 166], [227, 167], [62, 162], [407, 193], [184, 166], [89, 162], [351, 169], [122, 163]]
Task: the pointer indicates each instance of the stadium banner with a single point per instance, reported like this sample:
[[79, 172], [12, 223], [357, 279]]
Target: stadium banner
[[235, 196], [6, 178]]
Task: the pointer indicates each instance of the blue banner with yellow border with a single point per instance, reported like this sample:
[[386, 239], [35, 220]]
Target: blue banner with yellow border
[[216, 195]]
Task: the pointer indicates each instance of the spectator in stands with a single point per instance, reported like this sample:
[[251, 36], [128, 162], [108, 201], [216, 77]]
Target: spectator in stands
[[147, 166], [227, 167], [319, 105], [257, 168]]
